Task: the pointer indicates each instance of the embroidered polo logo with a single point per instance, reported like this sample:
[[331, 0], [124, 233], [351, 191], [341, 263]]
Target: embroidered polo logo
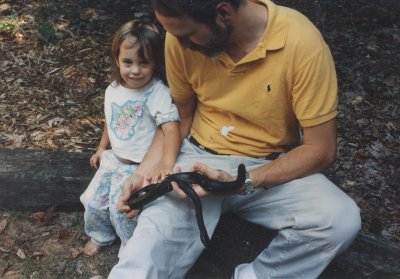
[[268, 88]]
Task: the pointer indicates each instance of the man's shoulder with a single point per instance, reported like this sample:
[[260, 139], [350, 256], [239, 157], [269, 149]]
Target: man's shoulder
[[300, 27], [171, 41]]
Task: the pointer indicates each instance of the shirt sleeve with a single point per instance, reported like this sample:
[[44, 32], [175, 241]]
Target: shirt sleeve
[[175, 69], [161, 106], [314, 92]]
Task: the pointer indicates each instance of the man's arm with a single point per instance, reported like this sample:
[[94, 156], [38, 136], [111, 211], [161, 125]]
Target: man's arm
[[317, 152]]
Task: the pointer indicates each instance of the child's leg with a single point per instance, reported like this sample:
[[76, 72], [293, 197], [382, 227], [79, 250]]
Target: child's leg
[[96, 201], [123, 226]]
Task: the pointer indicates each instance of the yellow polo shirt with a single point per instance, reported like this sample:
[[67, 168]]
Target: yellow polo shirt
[[255, 106]]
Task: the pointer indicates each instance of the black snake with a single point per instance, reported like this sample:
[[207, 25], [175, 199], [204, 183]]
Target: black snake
[[185, 180]]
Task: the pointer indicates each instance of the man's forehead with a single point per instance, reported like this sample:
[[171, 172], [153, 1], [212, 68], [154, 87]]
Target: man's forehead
[[177, 26]]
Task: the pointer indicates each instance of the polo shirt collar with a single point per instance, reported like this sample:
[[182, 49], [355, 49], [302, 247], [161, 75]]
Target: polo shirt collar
[[276, 33], [274, 37]]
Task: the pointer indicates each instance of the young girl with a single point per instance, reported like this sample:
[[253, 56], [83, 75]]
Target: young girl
[[136, 103]]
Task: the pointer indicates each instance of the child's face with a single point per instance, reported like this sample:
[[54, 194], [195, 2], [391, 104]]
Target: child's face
[[135, 71]]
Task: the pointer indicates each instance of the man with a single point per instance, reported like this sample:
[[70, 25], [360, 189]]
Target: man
[[245, 76]]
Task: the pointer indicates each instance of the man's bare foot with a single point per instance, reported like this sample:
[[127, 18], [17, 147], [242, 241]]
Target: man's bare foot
[[91, 249]]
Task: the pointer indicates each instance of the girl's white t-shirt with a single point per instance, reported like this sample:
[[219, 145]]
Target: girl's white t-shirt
[[133, 115]]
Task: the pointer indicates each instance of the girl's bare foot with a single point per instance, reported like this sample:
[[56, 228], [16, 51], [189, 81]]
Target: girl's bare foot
[[91, 249]]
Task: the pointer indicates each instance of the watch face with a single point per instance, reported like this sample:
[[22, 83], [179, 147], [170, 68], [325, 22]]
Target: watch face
[[248, 180], [248, 185]]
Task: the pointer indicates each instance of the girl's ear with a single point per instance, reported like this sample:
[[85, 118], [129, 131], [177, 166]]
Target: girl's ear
[[117, 63]]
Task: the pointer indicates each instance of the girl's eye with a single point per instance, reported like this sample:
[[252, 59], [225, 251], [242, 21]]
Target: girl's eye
[[127, 62], [144, 62]]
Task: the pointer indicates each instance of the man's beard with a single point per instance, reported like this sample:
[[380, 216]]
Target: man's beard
[[217, 44]]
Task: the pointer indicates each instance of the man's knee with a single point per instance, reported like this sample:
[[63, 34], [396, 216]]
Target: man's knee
[[332, 222], [348, 224], [343, 224]]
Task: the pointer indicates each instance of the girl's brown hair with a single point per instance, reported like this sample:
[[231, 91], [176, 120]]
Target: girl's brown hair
[[150, 46]]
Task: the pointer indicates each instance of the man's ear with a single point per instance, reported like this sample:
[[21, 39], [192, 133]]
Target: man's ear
[[224, 11]]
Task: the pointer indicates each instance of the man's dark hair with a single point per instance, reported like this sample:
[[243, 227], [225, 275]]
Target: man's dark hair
[[199, 10]]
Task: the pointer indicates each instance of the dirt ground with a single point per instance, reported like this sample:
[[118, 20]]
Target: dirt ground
[[54, 70]]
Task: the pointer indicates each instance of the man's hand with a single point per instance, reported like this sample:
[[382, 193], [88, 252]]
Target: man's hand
[[214, 174], [131, 184]]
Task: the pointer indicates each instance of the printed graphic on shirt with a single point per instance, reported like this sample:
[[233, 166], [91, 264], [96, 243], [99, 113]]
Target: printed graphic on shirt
[[124, 118], [225, 130]]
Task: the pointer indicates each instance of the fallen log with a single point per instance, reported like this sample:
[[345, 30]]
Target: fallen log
[[368, 256], [35, 180]]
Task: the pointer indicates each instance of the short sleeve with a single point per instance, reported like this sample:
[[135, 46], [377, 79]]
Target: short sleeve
[[314, 94], [175, 68], [161, 106]]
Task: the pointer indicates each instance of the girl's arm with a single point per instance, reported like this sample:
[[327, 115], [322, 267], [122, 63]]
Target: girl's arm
[[103, 145], [172, 140], [141, 176], [186, 109]]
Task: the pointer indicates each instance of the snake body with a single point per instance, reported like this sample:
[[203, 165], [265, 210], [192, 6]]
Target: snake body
[[185, 180]]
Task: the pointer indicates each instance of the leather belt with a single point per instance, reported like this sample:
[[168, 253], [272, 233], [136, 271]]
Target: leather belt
[[195, 142], [271, 156]]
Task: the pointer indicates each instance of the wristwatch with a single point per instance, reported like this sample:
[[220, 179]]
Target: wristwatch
[[248, 185]]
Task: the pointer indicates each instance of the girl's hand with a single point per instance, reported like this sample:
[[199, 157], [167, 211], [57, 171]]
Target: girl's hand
[[96, 157], [160, 173]]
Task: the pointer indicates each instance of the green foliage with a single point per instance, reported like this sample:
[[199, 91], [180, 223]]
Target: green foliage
[[8, 25], [45, 14], [47, 32]]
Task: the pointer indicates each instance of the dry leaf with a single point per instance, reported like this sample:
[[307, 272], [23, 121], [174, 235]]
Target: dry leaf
[[56, 121], [42, 219], [64, 234], [3, 224], [39, 219], [21, 254], [75, 252], [12, 274], [38, 253], [3, 266], [4, 250]]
